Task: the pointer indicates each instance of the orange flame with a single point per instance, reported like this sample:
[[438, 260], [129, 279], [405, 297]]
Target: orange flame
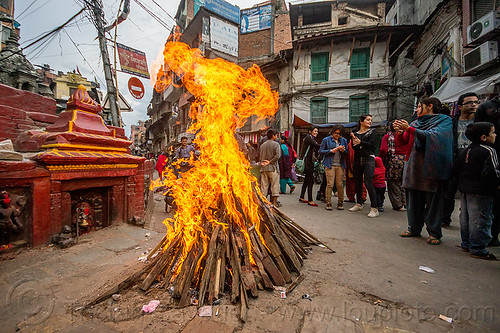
[[225, 95]]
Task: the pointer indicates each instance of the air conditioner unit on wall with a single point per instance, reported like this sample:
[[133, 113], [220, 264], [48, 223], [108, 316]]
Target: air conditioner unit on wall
[[479, 30], [481, 56]]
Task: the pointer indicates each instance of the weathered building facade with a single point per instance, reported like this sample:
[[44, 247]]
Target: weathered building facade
[[341, 63]]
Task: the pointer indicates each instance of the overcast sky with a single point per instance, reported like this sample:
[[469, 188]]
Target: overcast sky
[[140, 31]]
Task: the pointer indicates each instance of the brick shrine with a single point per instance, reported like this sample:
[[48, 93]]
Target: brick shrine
[[76, 171]]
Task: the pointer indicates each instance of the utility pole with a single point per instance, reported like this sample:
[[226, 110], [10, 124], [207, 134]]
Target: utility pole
[[98, 18]]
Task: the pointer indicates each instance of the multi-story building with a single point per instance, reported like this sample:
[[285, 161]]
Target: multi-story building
[[138, 138], [214, 28], [343, 54]]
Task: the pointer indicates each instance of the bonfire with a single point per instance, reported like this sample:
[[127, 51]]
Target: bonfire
[[225, 237]]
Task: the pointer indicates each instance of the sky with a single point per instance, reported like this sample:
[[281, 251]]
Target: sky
[[76, 44]]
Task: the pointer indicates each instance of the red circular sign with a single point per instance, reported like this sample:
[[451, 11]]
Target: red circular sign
[[136, 88]]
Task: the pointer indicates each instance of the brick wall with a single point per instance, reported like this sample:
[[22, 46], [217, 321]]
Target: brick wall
[[22, 110], [254, 43], [466, 15], [282, 32]]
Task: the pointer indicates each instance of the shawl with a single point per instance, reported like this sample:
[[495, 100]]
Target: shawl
[[436, 141]]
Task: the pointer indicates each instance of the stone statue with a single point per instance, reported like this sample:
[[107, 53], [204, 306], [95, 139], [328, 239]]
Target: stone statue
[[64, 238], [9, 219]]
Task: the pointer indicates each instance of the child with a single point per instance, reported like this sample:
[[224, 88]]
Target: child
[[379, 183], [479, 174]]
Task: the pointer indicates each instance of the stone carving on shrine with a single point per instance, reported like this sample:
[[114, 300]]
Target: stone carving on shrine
[[10, 222]]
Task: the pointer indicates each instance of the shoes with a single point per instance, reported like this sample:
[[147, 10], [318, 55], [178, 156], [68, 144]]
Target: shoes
[[310, 203], [303, 200], [329, 207], [356, 208], [373, 212], [433, 240], [340, 207], [282, 192], [292, 189], [485, 256], [381, 209], [407, 234]]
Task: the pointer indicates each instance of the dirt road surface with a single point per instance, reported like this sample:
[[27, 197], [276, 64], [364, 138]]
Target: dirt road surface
[[371, 284]]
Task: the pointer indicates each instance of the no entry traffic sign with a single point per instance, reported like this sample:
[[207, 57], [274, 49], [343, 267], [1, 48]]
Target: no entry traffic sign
[[136, 87]]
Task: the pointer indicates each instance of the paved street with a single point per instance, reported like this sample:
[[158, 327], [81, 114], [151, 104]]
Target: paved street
[[371, 284]]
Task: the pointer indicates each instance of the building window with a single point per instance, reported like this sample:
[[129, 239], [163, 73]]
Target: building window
[[342, 20], [483, 7], [319, 110], [358, 105], [360, 63], [319, 67]]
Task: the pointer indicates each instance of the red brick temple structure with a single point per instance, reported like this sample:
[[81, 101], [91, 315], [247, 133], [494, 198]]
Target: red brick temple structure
[[76, 172]]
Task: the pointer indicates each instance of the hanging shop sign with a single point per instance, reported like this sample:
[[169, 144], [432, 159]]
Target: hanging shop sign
[[135, 87], [133, 61]]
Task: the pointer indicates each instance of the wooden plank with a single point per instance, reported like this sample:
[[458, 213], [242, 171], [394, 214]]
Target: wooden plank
[[212, 247], [236, 269], [295, 283], [160, 265], [273, 271], [387, 44], [244, 304], [283, 269], [350, 52], [265, 278], [373, 48], [186, 297]]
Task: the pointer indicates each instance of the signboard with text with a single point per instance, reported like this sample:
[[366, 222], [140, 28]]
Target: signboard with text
[[133, 61], [223, 36], [135, 87], [255, 19], [220, 7]]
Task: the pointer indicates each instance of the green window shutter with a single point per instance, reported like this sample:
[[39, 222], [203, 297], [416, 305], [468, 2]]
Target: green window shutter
[[358, 105], [319, 110], [319, 67], [360, 63]]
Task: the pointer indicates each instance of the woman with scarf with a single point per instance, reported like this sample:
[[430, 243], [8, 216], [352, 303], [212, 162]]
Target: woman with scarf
[[429, 162], [392, 154], [288, 157], [309, 148]]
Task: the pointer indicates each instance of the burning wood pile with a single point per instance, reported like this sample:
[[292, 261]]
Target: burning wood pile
[[225, 237]]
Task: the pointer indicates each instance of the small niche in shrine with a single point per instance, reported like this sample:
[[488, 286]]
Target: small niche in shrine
[[90, 209]]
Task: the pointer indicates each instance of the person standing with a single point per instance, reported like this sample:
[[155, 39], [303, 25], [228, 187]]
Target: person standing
[[183, 154], [379, 183], [309, 147], [270, 152], [429, 164], [363, 143], [490, 111], [334, 150], [162, 162], [479, 177], [286, 163], [467, 106], [392, 154]]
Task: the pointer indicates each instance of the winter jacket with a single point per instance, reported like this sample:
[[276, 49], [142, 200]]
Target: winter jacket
[[478, 170], [379, 174], [327, 145]]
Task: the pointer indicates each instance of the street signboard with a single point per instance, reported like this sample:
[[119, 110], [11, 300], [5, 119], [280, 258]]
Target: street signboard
[[223, 36], [255, 19], [220, 7], [135, 87], [133, 61]]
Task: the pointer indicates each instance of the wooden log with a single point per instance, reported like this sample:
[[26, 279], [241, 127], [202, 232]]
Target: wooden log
[[160, 265], [181, 278], [235, 268], [265, 278], [273, 271], [124, 284], [246, 270], [287, 248], [185, 298], [212, 247], [244, 304], [295, 283], [157, 247]]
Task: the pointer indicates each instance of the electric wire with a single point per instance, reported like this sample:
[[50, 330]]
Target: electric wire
[[35, 10], [25, 9]]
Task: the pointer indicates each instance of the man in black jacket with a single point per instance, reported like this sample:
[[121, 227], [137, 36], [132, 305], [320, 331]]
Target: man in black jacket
[[467, 105], [490, 111]]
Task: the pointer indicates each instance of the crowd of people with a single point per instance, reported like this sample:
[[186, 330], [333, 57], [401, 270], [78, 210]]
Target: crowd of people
[[420, 164]]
